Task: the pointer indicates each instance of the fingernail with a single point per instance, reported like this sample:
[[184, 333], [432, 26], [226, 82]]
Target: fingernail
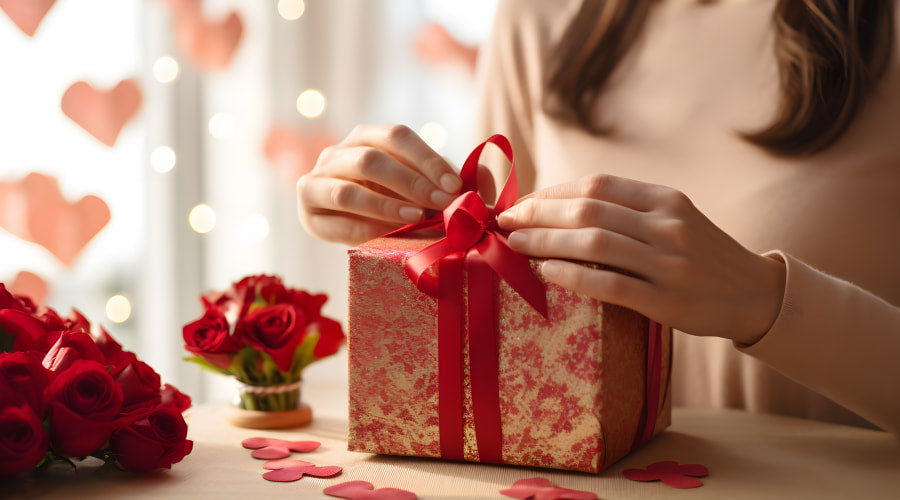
[[517, 239], [550, 269], [441, 198], [411, 213], [450, 183], [506, 216]]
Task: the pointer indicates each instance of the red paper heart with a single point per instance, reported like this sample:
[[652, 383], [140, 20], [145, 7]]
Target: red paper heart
[[271, 453], [435, 45], [35, 210], [292, 153], [293, 470], [102, 114], [363, 490], [262, 442], [30, 285], [670, 473], [538, 488], [27, 14], [210, 44]]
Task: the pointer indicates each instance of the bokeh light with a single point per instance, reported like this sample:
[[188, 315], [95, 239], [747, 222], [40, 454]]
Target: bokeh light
[[165, 69], [202, 218], [118, 308], [162, 159], [311, 103], [291, 9], [434, 134], [222, 126], [255, 228]]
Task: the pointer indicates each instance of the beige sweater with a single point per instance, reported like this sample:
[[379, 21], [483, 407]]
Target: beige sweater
[[698, 74]]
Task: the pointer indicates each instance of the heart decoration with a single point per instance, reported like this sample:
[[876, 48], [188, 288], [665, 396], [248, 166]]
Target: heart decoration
[[435, 45], [30, 285], [27, 14], [35, 210], [293, 470], [265, 448], [293, 153], [670, 473], [102, 114], [539, 488], [210, 44], [363, 490]]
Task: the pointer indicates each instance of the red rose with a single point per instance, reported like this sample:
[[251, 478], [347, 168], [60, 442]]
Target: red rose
[[330, 337], [23, 440], [84, 402], [24, 326], [107, 345], [140, 386], [276, 330], [27, 379], [170, 396], [208, 337], [155, 442], [18, 302], [310, 304], [71, 346]]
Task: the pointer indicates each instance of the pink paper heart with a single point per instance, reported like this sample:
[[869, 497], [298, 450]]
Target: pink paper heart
[[363, 490], [35, 210], [670, 473], [281, 464], [538, 488], [210, 44], [295, 472], [27, 14], [262, 442], [271, 452], [31, 285], [293, 153], [102, 114], [435, 45]]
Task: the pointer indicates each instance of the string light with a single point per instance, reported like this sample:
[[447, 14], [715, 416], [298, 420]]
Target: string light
[[202, 218], [311, 103]]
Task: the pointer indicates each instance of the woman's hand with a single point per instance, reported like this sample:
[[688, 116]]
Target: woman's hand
[[681, 270], [377, 179]]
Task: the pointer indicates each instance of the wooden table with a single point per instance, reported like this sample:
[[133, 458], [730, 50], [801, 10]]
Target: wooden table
[[748, 455]]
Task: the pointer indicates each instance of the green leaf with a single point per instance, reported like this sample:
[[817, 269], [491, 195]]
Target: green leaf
[[6, 341], [303, 356], [206, 365]]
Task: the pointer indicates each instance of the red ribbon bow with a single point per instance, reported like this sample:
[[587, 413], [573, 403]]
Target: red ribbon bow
[[474, 243]]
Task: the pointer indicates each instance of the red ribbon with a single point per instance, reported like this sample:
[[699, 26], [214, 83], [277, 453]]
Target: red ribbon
[[647, 422], [474, 246]]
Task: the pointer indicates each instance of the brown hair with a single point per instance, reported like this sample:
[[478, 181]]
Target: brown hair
[[829, 53]]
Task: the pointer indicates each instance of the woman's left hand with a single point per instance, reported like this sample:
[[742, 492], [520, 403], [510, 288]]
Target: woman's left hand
[[681, 269]]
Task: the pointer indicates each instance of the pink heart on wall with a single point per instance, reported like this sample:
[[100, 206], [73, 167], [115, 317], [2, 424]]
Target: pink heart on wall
[[27, 14], [35, 210], [210, 44], [31, 285], [102, 113], [292, 153]]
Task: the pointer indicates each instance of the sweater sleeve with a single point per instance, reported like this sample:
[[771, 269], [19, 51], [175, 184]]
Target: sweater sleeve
[[838, 340]]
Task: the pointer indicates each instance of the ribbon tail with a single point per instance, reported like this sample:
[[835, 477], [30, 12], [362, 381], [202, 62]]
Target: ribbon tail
[[450, 396], [509, 265], [647, 423], [484, 359]]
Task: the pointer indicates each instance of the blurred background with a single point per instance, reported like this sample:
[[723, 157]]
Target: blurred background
[[149, 148]]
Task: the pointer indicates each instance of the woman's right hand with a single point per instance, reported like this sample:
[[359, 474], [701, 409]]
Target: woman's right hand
[[377, 179]]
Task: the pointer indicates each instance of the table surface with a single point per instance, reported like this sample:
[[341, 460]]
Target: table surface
[[748, 456]]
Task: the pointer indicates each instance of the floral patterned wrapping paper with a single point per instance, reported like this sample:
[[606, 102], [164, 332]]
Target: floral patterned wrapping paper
[[572, 388]]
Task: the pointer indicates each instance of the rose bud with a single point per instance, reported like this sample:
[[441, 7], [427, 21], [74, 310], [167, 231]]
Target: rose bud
[[140, 386], [208, 337], [154, 442], [71, 346], [171, 396], [23, 440], [84, 402], [330, 337], [276, 330], [26, 377]]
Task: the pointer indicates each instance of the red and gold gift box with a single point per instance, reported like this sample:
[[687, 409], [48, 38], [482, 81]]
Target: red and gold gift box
[[576, 386]]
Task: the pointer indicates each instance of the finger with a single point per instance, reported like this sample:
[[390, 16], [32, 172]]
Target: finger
[[408, 148], [630, 193], [573, 214], [344, 229], [327, 194], [587, 244], [605, 285]]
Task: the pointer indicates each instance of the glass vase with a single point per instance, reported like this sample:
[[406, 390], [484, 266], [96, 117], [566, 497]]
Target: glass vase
[[269, 407]]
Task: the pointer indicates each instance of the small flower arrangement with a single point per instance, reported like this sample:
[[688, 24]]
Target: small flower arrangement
[[264, 334], [69, 391]]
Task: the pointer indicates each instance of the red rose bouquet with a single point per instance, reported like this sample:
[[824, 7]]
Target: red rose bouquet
[[264, 334], [68, 391]]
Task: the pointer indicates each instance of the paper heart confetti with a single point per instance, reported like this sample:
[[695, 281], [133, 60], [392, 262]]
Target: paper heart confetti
[[293, 153], [538, 488], [30, 285], [435, 45], [35, 210], [265, 448], [670, 473], [102, 113], [210, 44], [27, 14], [363, 490], [293, 470]]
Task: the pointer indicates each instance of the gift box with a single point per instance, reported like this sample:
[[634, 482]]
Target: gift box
[[459, 350]]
